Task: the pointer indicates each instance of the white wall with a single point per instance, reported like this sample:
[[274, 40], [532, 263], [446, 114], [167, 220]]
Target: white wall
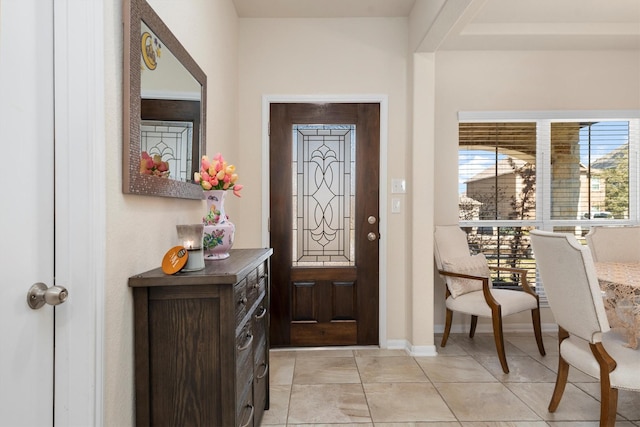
[[141, 229], [328, 57], [519, 81]]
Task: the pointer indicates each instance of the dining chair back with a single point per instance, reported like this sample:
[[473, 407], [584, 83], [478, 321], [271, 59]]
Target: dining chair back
[[585, 340], [614, 243], [469, 289], [450, 243]]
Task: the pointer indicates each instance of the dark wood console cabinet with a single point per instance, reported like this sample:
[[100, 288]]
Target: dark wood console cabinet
[[202, 343]]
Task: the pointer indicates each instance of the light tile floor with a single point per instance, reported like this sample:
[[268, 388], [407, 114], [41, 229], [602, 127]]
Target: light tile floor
[[463, 386]]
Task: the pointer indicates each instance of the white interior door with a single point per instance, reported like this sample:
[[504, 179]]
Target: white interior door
[[52, 101], [27, 221]]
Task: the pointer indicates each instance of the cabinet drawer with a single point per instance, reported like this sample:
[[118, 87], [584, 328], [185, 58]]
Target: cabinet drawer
[[260, 397], [252, 287], [241, 300], [261, 363], [261, 286], [244, 358], [256, 283], [262, 271], [245, 412], [260, 377], [260, 333]]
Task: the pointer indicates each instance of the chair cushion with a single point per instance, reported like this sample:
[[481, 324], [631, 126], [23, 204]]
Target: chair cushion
[[473, 265], [511, 302], [577, 353]]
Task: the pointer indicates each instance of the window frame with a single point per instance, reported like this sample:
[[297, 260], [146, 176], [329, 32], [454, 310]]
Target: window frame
[[543, 120]]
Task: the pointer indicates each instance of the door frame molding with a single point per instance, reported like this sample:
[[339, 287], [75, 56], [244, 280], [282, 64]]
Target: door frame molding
[[381, 99], [80, 205]]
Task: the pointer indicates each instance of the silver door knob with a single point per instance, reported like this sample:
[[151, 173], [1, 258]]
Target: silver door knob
[[372, 236], [39, 294]]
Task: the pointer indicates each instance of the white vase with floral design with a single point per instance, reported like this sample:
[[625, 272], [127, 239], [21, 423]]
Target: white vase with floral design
[[218, 230]]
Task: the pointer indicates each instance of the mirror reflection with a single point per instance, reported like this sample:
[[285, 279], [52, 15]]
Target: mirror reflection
[[161, 74], [164, 107], [163, 79]]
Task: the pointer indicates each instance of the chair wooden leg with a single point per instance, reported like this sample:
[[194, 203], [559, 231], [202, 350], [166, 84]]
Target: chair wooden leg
[[499, 339], [474, 323], [561, 382], [608, 406], [563, 373], [537, 329], [447, 327], [608, 395]]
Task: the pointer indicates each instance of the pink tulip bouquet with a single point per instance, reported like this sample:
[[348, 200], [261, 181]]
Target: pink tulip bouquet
[[153, 165], [217, 175]]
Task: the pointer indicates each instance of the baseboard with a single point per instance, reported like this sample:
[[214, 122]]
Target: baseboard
[[486, 328], [397, 345], [431, 350], [412, 350]]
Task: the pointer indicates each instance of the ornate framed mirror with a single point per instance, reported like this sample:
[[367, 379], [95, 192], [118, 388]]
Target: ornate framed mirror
[[164, 108]]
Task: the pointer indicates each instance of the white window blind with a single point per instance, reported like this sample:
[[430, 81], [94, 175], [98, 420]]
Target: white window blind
[[590, 170]]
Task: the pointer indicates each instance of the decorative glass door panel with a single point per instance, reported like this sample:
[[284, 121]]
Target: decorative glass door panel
[[323, 195], [172, 142]]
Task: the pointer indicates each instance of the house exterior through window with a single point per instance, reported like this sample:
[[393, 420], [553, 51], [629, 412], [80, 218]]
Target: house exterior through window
[[554, 171]]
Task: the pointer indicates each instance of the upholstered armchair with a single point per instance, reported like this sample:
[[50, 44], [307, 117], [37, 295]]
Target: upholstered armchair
[[469, 289], [585, 340]]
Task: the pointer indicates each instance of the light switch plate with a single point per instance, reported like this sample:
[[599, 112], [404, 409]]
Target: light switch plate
[[395, 205], [398, 186]]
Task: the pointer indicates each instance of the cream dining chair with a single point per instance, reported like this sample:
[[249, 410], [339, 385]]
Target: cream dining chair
[[469, 289], [569, 278], [614, 243]]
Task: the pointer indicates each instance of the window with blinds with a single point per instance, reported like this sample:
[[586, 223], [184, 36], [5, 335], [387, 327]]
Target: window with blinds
[[497, 170], [590, 170], [544, 172]]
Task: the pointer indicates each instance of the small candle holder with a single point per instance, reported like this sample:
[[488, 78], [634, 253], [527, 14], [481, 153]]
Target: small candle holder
[[190, 237]]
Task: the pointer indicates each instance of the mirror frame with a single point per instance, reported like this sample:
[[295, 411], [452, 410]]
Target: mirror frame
[[133, 182]]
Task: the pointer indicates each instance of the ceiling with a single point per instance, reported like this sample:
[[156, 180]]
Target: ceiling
[[323, 8], [482, 24]]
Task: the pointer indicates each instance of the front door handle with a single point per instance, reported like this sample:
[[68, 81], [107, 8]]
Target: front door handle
[[39, 294], [372, 236]]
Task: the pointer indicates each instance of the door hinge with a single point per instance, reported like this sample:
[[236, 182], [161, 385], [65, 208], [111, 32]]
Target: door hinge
[[269, 128]]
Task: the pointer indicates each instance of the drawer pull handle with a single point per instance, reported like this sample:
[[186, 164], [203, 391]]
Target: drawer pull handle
[[261, 314], [264, 374], [243, 301], [249, 421], [248, 344]]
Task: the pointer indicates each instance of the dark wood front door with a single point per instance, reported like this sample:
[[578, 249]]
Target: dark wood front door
[[324, 220]]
